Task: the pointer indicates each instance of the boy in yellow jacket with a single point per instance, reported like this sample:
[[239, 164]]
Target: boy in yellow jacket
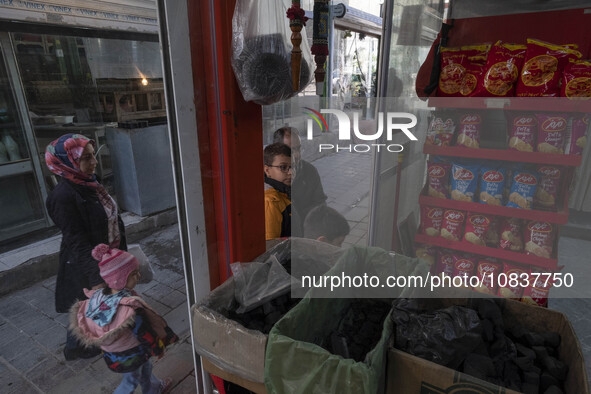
[[278, 172]]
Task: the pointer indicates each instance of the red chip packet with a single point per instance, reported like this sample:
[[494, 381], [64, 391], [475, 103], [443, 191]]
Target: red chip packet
[[500, 74], [460, 70], [542, 68], [576, 80]]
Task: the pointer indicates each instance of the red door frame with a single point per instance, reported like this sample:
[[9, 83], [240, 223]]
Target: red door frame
[[230, 143]]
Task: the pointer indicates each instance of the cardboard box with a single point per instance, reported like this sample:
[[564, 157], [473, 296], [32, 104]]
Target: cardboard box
[[410, 374], [226, 343]]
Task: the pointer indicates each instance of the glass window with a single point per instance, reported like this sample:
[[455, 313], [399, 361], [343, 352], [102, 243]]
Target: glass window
[[81, 84], [13, 146]]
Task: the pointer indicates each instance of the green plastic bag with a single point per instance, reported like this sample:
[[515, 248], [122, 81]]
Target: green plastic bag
[[294, 364]]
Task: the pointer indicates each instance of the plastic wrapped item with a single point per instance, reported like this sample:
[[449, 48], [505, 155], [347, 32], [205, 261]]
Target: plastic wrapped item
[[445, 336], [261, 51], [146, 271], [257, 283]]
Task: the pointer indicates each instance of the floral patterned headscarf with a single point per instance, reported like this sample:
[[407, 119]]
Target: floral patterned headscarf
[[62, 157]]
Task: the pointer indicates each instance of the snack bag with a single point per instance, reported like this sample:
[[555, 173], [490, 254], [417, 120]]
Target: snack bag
[[474, 74], [551, 132], [511, 235], [492, 235], [451, 227], [539, 288], [469, 131], [441, 131], [427, 253], [523, 129], [503, 63], [492, 183], [438, 178], [523, 189], [539, 239], [547, 191], [542, 69], [509, 291], [576, 80], [464, 266], [464, 181], [445, 262], [577, 137], [488, 270], [460, 69], [431, 218], [477, 226]]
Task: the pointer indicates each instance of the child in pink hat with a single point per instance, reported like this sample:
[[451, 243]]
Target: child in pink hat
[[118, 320]]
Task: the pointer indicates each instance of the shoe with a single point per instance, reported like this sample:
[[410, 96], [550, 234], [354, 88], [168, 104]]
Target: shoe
[[165, 385], [76, 353]]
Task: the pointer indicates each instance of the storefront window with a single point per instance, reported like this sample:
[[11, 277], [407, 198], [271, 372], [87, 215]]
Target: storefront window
[[80, 84], [19, 195]]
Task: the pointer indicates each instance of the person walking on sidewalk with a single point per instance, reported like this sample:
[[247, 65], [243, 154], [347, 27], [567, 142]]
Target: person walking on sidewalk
[[118, 320], [87, 216]]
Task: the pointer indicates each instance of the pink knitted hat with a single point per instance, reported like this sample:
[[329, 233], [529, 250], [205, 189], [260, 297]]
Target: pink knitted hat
[[115, 265]]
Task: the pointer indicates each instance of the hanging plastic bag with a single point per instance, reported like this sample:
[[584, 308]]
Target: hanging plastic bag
[[146, 271], [261, 51]]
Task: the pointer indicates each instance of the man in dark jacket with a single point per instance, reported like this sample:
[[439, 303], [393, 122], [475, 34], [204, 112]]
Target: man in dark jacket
[[306, 187]]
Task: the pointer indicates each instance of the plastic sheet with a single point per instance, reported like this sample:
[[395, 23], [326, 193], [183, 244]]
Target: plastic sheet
[[261, 51], [444, 336], [257, 283]]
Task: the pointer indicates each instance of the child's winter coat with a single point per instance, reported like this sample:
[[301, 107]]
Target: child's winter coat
[[127, 329]]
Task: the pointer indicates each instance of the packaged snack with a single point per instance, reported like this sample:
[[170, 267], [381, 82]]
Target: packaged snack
[[523, 189], [477, 226], [464, 266], [492, 235], [427, 253], [539, 288], [441, 130], [511, 235], [445, 262], [431, 218], [511, 271], [464, 181], [523, 129], [474, 74], [577, 135], [539, 239], [451, 227], [503, 63], [469, 131], [438, 178], [460, 69], [551, 132], [492, 183], [488, 270], [576, 80], [547, 191], [542, 69]]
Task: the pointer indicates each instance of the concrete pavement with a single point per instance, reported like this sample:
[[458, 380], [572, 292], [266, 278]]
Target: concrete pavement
[[32, 334]]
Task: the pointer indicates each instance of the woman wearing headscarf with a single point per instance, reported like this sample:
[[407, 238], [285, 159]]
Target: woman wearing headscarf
[[87, 216]]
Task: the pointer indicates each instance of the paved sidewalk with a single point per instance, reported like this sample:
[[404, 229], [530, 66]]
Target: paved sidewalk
[[32, 334], [346, 179]]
